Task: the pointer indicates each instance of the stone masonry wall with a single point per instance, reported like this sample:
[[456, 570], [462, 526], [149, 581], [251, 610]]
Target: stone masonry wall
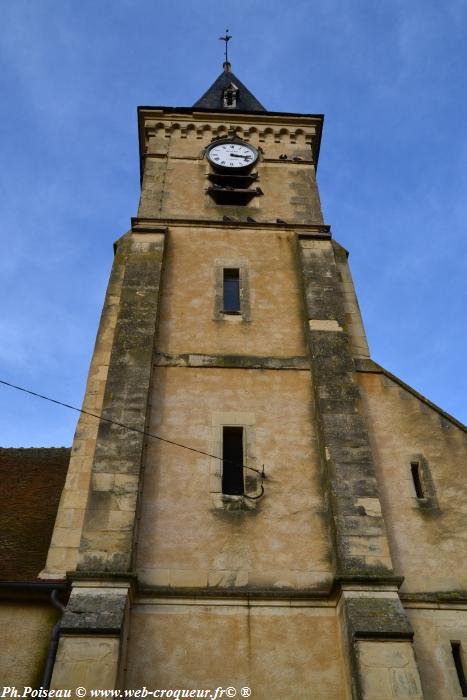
[[109, 528], [361, 547]]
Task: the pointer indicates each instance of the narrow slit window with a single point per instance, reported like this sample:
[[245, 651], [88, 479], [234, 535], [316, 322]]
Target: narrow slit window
[[456, 649], [231, 290], [417, 479], [232, 461]]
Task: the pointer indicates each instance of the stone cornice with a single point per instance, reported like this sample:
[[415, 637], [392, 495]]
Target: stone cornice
[[319, 594], [200, 360], [142, 225], [188, 113]]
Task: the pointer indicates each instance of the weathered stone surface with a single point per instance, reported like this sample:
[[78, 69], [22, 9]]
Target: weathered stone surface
[[435, 627], [388, 671], [86, 661], [63, 554], [119, 450], [379, 617], [276, 650], [360, 544], [231, 361], [100, 611], [182, 528], [426, 532], [354, 322]]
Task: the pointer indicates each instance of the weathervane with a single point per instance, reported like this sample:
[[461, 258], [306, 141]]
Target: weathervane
[[226, 38]]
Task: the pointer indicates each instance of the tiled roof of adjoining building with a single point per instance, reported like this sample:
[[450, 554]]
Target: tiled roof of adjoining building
[[31, 482]]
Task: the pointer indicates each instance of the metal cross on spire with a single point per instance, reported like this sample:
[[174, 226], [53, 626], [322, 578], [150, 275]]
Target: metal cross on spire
[[226, 38]]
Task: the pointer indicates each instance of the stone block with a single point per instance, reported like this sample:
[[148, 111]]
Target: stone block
[[392, 655], [121, 520], [388, 670], [59, 559], [378, 564], [103, 482], [406, 683], [66, 537], [79, 464], [70, 517], [125, 484], [376, 684], [360, 526], [366, 545], [377, 617], [371, 506], [95, 610], [97, 517], [127, 503], [324, 325], [91, 662]]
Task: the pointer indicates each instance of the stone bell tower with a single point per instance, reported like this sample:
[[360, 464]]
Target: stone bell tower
[[239, 515]]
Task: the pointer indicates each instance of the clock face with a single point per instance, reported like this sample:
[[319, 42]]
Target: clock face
[[232, 155]]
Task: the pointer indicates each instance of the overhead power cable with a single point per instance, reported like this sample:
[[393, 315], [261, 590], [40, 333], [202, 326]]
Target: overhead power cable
[[129, 427]]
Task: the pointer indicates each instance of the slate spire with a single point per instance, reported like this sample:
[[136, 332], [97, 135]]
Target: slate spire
[[229, 93]]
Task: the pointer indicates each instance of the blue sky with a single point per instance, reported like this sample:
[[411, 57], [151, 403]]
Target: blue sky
[[391, 79]]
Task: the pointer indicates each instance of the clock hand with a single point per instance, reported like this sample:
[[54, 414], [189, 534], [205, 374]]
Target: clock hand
[[238, 155]]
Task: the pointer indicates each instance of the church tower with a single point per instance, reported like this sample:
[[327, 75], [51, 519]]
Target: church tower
[[260, 505]]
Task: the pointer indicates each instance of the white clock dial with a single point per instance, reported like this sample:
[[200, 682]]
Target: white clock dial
[[232, 155]]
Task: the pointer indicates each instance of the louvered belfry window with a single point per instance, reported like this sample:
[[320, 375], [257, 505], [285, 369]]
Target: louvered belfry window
[[231, 96]]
